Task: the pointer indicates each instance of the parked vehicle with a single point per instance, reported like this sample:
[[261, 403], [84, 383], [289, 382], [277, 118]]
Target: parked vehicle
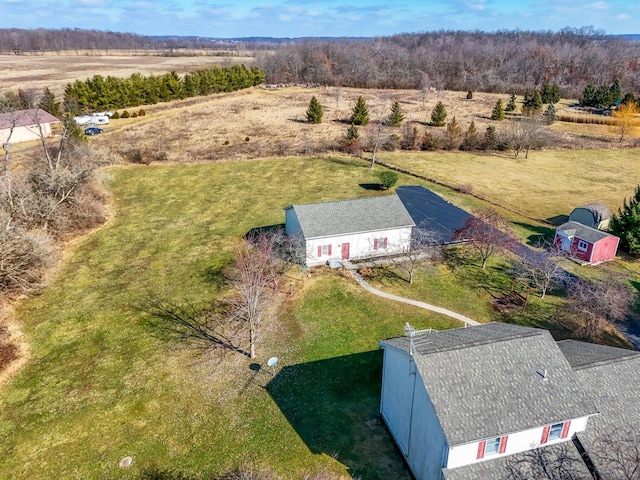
[[93, 131]]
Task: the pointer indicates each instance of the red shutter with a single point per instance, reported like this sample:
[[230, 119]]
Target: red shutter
[[385, 242], [545, 435], [503, 444], [319, 251], [565, 429], [375, 243], [481, 446], [329, 250]]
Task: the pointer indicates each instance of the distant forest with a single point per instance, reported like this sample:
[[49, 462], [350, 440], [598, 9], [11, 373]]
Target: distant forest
[[504, 61]]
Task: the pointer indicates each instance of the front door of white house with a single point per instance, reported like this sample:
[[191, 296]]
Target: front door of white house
[[345, 251]]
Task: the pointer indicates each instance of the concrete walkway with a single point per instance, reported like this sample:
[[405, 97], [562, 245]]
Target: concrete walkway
[[466, 320]]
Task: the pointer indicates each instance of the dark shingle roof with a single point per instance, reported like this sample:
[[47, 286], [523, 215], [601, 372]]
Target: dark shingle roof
[[599, 211], [585, 355], [352, 216], [488, 380], [583, 232], [498, 468], [24, 118]]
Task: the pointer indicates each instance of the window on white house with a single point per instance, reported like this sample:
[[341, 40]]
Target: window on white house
[[582, 245], [324, 250], [555, 432], [379, 243], [492, 446]]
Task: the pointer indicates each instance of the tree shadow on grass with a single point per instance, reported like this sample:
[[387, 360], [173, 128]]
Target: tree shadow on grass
[[372, 186], [333, 405], [542, 234]]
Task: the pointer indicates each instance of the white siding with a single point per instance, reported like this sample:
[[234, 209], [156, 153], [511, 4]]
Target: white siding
[[409, 415], [517, 442], [361, 245], [25, 134]]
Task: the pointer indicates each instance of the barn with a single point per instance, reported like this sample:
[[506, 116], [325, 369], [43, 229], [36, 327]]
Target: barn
[[586, 244], [350, 229], [594, 215], [25, 125]]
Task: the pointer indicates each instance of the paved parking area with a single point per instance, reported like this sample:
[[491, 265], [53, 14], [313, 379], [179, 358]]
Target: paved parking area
[[427, 208]]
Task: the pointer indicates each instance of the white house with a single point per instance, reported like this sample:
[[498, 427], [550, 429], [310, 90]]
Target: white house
[[350, 229], [25, 125], [95, 119], [461, 403]]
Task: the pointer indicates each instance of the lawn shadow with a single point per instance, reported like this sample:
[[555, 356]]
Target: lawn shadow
[[372, 186], [558, 220], [543, 234], [333, 405]]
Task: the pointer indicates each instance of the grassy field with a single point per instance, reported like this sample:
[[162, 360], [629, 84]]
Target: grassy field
[[101, 385], [546, 186]]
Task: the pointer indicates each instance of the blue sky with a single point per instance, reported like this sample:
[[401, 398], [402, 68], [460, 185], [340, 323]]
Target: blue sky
[[297, 18]]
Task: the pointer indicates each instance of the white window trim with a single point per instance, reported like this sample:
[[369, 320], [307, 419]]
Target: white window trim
[[582, 245], [491, 442], [555, 431]]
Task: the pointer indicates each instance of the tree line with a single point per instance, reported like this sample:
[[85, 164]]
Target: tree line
[[502, 62], [100, 93]]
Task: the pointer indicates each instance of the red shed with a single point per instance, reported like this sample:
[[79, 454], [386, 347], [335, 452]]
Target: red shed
[[585, 243]]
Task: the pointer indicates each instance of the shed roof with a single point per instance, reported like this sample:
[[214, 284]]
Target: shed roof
[[488, 380], [588, 234], [351, 216], [25, 118]]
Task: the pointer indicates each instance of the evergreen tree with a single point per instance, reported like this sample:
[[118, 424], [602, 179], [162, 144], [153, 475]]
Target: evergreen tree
[[550, 93], [48, 103], [469, 95], [396, 116], [470, 141], [615, 91], [588, 96], [490, 137], [360, 113], [498, 111], [438, 115], [453, 135], [532, 102], [551, 116], [626, 224], [352, 133], [511, 105], [314, 112], [629, 98]]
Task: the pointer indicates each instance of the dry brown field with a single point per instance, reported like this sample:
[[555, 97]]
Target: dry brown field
[[55, 71]]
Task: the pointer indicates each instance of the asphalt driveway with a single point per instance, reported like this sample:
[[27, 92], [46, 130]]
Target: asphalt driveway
[[431, 211]]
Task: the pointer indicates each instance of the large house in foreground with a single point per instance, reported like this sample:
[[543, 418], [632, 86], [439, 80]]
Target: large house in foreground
[[470, 403], [350, 229], [25, 125]]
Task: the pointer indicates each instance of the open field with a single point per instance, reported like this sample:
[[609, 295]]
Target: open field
[[101, 385], [546, 186], [55, 71]]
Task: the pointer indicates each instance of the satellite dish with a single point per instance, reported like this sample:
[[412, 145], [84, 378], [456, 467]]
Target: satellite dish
[[272, 362]]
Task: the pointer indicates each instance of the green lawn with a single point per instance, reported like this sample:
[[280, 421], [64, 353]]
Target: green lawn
[[101, 386]]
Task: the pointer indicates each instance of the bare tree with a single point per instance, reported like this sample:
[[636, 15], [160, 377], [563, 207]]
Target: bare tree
[[540, 269], [487, 234], [424, 244], [597, 304], [617, 454], [524, 134], [560, 462], [256, 280], [425, 86]]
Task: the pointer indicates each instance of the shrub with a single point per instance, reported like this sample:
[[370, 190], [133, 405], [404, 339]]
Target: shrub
[[466, 188], [246, 139], [125, 114], [430, 142], [141, 112], [115, 115], [469, 95], [360, 113], [134, 114], [388, 178], [438, 115], [392, 143], [366, 272], [498, 111], [314, 112], [226, 142]]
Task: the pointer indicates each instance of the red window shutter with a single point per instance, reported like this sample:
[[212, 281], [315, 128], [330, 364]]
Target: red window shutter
[[385, 242], [503, 444], [481, 446], [319, 251], [565, 429], [329, 250], [545, 435], [375, 243]]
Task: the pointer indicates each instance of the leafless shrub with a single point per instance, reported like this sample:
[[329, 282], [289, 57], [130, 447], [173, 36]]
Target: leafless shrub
[[540, 269], [556, 463], [24, 255], [466, 188]]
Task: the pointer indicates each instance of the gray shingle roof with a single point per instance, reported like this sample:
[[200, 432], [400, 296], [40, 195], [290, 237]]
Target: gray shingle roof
[[599, 211], [352, 216], [612, 379], [584, 355], [498, 468], [487, 380], [25, 118], [583, 232]]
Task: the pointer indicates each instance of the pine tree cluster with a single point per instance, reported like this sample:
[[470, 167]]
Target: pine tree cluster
[[626, 224]]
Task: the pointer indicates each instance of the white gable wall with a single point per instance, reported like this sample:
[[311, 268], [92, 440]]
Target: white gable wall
[[25, 134], [361, 245], [410, 416], [517, 442]]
